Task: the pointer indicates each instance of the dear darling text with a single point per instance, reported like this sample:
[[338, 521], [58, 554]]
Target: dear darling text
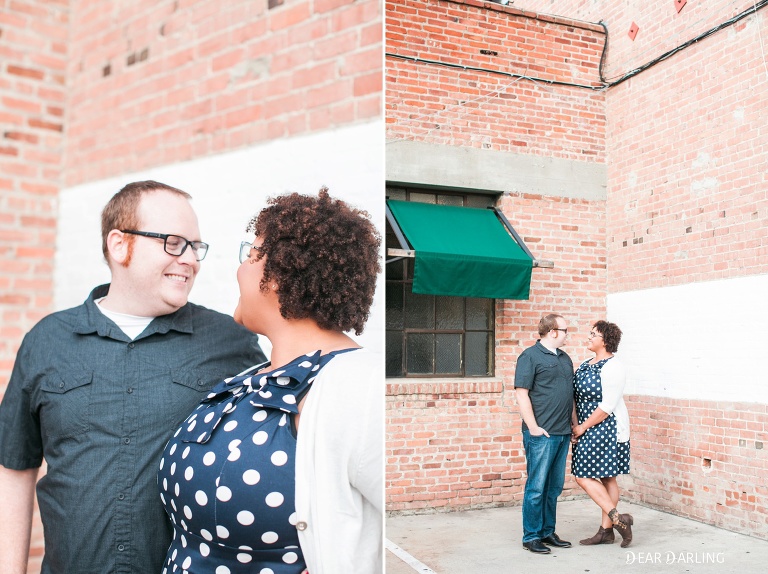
[[670, 557]]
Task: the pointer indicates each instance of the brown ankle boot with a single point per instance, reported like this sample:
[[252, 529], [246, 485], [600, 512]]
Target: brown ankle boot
[[603, 536], [624, 527]]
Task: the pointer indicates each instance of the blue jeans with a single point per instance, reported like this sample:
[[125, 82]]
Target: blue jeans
[[545, 461]]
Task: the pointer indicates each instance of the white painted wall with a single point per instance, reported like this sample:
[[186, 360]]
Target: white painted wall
[[227, 190], [702, 341]]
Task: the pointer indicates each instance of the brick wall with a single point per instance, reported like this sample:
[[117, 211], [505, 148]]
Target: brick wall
[[687, 162], [701, 459], [33, 57], [468, 108], [154, 83], [451, 445], [33, 53], [687, 204]]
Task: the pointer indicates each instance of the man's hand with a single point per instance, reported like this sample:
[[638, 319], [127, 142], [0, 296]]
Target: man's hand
[[538, 431]]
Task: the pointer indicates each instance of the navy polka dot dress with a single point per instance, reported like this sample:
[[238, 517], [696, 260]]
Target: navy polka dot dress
[[226, 477], [597, 454]]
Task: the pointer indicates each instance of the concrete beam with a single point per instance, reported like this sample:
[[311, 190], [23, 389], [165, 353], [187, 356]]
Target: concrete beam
[[417, 163]]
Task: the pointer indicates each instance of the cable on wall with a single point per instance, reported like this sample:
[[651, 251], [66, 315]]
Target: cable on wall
[[609, 84], [490, 71], [605, 83]]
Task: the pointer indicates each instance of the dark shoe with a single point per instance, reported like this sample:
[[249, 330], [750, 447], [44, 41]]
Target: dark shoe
[[624, 527], [603, 536], [536, 546], [554, 540]]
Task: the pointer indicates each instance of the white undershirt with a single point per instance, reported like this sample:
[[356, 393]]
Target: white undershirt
[[131, 325]]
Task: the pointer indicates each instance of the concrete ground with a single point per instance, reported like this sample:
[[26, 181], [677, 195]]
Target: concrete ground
[[490, 542]]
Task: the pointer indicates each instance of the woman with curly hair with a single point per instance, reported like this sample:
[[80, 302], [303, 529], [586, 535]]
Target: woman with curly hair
[[279, 470], [600, 431]]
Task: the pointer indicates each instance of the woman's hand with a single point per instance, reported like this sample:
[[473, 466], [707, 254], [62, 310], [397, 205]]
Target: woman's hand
[[576, 432]]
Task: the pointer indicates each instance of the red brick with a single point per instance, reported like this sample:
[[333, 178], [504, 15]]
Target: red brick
[[368, 84], [25, 72], [21, 104], [41, 124], [290, 15]]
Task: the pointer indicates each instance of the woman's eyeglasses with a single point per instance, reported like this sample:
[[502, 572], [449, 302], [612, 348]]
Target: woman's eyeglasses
[[245, 250]]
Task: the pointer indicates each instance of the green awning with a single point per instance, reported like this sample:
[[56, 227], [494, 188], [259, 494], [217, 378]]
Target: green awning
[[462, 251]]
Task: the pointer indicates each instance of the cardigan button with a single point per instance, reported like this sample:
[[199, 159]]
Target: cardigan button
[[301, 526]]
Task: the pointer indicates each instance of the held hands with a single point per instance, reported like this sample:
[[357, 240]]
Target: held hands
[[576, 432], [538, 431]]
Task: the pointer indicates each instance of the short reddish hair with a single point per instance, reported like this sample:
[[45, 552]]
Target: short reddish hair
[[122, 211]]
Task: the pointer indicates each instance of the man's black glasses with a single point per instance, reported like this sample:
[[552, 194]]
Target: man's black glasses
[[174, 245]]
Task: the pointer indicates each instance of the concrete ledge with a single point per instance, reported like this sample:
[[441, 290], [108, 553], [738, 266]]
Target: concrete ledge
[[472, 169]]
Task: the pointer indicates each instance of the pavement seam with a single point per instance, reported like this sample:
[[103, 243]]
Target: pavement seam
[[407, 558]]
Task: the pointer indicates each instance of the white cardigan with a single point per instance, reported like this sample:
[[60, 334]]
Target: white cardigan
[[340, 467], [613, 377]]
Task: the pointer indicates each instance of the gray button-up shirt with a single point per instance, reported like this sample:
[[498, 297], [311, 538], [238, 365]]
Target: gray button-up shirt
[[548, 377], [100, 408]]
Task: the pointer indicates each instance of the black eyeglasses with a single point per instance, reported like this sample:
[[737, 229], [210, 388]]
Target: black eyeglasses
[[174, 245], [558, 329]]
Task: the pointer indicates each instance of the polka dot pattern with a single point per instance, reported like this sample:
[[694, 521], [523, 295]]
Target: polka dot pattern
[[227, 476], [597, 454]]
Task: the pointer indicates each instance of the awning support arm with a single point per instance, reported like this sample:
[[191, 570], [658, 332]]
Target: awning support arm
[[405, 250], [519, 240]]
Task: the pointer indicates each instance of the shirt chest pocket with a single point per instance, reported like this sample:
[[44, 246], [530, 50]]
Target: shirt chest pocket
[[184, 393], [547, 369], [66, 405]]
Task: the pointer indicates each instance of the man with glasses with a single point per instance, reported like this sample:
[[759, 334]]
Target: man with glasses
[[544, 392], [97, 390]]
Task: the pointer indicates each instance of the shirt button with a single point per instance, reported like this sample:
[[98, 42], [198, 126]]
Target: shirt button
[[127, 440], [121, 547], [61, 385], [130, 390], [121, 496], [131, 345], [301, 526]]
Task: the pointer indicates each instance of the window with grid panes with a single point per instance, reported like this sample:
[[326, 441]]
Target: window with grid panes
[[433, 335]]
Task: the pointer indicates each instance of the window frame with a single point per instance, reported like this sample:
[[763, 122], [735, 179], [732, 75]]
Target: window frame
[[404, 280]]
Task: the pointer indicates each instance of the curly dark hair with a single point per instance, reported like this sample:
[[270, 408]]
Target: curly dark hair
[[611, 335], [324, 257]]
